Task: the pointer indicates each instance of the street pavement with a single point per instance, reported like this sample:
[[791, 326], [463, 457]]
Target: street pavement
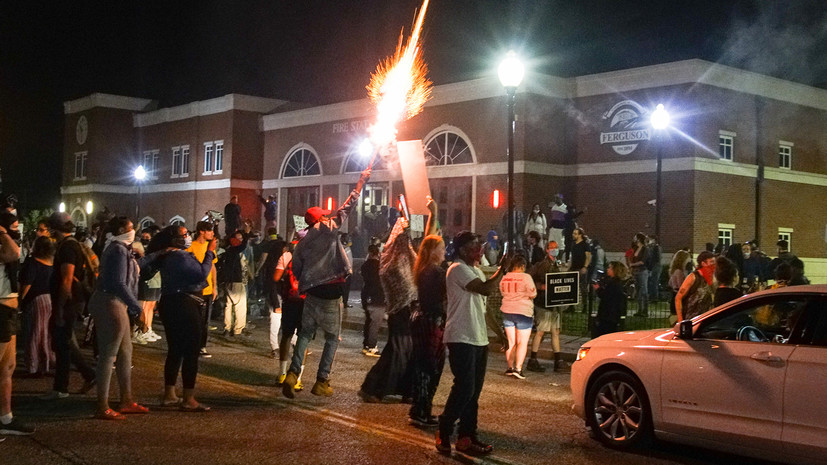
[[528, 421]]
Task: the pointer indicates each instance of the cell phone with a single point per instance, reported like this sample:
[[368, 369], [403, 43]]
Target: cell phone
[[404, 206], [505, 248]]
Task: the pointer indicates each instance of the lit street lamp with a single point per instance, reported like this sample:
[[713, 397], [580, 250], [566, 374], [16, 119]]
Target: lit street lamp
[[139, 174], [511, 73], [659, 121]]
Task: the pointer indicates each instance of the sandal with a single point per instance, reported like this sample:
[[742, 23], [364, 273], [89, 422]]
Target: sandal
[[200, 408], [133, 408], [473, 446], [109, 414], [170, 403]]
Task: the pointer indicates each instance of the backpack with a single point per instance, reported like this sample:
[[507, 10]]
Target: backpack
[[290, 284], [86, 284]]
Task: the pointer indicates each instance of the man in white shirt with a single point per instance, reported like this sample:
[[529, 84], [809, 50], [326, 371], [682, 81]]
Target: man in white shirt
[[467, 340]]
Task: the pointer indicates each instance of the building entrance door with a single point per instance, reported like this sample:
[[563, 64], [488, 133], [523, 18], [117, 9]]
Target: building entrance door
[[299, 199]]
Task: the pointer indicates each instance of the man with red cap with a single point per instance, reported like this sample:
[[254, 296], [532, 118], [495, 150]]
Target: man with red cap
[[321, 266]]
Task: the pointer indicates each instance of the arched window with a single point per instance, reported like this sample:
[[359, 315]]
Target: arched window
[[145, 222], [301, 162], [177, 220], [356, 162], [448, 147], [79, 217]]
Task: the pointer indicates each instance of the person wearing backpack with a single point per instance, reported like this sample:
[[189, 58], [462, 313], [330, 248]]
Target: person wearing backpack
[[68, 301], [292, 305]]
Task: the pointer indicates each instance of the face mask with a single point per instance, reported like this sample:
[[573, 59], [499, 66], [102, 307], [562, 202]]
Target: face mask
[[553, 253], [127, 238], [187, 241], [14, 235], [708, 272], [235, 242], [536, 210], [746, 256], [144, 242]]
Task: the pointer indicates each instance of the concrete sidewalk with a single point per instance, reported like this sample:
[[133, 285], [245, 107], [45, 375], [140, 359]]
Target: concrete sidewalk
[[354, 319]]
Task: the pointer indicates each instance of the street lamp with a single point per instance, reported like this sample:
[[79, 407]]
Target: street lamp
[[659, 121], [90, 207], [139, 174], [511, 73]]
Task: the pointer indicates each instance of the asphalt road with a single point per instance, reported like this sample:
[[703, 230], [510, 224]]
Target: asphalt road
[[528, 421]]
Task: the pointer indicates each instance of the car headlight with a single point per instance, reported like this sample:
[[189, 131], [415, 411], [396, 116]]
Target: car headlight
[[581, 354]]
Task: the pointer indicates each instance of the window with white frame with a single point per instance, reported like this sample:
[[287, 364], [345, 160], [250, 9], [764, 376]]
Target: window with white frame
[[785, 155], [301, 162], [208, 150], [219, 157], [786, 234], [80, 165], [447, 148], [726, 144], [152, 159], [176, 162], [185, 160], [725, 233]]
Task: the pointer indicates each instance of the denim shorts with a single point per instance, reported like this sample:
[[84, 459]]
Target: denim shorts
[[515, 319]]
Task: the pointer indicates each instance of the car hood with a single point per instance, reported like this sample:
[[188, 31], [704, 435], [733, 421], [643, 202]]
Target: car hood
[[630, 336]]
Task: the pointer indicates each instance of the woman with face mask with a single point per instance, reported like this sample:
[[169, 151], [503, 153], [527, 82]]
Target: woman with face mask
[[114, 305], [536, 222], [182, 309], [695, 295]]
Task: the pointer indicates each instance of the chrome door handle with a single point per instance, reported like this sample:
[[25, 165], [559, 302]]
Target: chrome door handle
[[765, 357]]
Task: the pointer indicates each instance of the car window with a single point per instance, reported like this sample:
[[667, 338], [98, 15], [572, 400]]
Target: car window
[[815, 331], [764, 320]]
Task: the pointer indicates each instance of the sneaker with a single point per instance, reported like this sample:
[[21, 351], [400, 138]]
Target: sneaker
[[212, 327], [509, 371], [299, 386], [562, 365], [154, 335], [54, 395], [139, 338], [473, 446], [369, 398], [322, 388], [534, 365], [518, 374], [443, 443], [204, 354], [429, 422], [288, 385], [280, 381], [17, 428], [372, 352]]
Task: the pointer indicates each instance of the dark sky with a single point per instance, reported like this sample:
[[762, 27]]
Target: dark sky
[[324, 51]]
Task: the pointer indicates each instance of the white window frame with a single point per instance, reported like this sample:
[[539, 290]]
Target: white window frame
[[785, 155], [726, 139], [151, 160], [185, 161], [726, 233], [176, 162], [787, 235], [81, 160], [208, 158], [218, 157]]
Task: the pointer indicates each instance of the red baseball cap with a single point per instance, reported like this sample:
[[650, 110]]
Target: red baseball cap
[[313, 214]]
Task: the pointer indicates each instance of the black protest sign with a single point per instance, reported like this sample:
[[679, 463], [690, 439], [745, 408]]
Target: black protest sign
[[561, 289]]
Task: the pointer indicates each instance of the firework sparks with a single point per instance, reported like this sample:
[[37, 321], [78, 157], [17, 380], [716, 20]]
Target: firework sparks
[[399, 87]]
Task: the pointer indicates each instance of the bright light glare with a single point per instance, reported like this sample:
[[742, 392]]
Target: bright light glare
[[140, 173], [365, 148], [660, 117], [89, 207], [511, 70], [62, 207], [581, 354]]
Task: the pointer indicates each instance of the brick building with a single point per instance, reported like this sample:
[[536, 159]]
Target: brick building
[[745, 156]]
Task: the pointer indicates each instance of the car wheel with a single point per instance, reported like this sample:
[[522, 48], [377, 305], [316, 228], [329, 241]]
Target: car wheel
[[617, 410]]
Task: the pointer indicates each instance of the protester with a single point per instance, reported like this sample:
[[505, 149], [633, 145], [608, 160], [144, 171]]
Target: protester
[[493, 249], [182, 309], [467, 341], [536, 221], [292, 308], [321, 266], [726, 273], [557, 220], [149, 293], [518, 290], [270, 210], [9, 253], [35, 277], [204, 234], [114, 305], [234, 279], [677, 275], [68, 300], [547, 319], [654, 267], [612, 307], [273, 249], [373, 302], [534, 248], [641, 274], [581, 258], [695, 294], [232, 216], [346, 243]]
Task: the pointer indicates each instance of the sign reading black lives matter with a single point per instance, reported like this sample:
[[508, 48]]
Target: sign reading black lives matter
[[561, 289]]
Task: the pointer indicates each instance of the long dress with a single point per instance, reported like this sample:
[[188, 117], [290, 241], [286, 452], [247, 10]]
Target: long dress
[[391, 375]]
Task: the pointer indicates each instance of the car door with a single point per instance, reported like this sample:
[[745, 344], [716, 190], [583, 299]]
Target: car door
[[805, 410], [726, 384]]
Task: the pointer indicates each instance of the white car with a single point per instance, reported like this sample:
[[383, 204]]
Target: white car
[[748, 377]]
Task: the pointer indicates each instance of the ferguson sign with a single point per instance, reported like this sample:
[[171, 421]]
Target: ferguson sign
[[628, 124]]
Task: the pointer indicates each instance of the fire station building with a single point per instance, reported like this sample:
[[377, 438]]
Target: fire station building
[[744, 157]]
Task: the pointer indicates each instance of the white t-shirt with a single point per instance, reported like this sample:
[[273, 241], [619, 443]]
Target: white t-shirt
[[284, 260], [466, 309], [518, 292]]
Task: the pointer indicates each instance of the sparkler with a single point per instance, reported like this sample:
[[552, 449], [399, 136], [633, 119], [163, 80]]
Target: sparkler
[[399, 88]]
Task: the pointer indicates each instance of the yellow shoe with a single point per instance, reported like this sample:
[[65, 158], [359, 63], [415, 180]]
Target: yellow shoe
[[281, 379], [298, 386]]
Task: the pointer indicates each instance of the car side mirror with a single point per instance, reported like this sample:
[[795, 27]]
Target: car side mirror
[[685, 329]]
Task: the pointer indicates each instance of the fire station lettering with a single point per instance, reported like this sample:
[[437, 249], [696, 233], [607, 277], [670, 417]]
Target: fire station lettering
[[561, 289]]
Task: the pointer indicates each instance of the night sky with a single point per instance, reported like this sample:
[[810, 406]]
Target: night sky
[[324, 51]]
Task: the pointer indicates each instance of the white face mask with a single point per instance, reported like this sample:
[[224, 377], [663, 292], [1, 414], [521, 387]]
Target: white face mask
[[536, 210], [127, 238]]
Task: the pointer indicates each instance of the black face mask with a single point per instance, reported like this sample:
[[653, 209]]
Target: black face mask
[[15, 235], [144, 242]]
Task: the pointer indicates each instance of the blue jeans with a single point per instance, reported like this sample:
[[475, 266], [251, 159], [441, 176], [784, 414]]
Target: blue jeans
[[327, 315], [654, 282], [642, 283]]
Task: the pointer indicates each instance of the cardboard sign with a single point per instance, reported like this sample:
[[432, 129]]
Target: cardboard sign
[[562, 289], [299, 222], [414, 175], [417, 223]]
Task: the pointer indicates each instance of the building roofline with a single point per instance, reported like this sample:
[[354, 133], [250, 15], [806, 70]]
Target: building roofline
[[213, 106], [118, 102]]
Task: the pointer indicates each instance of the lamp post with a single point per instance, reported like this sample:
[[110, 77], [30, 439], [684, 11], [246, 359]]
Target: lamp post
[[511, 73], [139, 174], [659, 121]]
